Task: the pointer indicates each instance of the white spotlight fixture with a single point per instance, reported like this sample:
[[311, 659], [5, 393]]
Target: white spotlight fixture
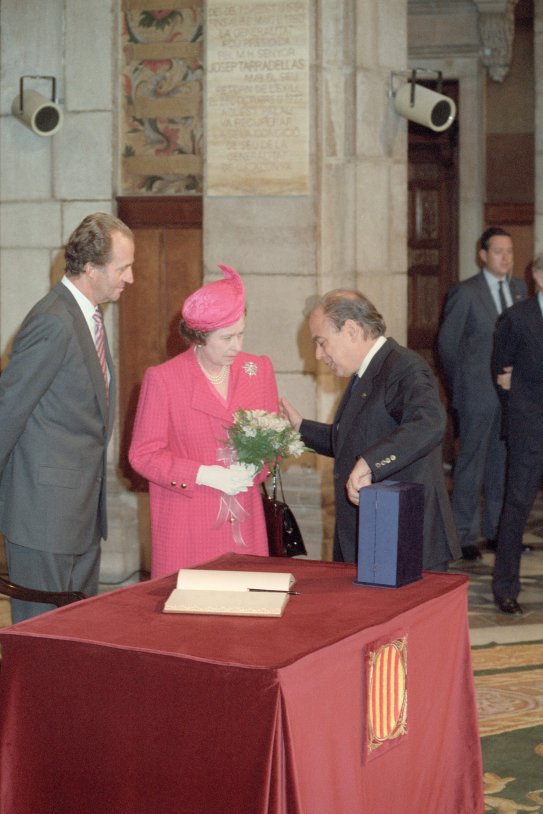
[[420, 104], [43, 116]]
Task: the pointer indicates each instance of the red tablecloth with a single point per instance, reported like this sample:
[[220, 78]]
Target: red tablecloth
[[110, 706]]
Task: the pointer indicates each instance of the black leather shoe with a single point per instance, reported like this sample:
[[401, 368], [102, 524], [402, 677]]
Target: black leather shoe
[[492, 546], [471, 552], [510, 606]]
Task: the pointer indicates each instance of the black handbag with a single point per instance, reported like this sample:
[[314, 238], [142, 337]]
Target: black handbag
[[284, 536]]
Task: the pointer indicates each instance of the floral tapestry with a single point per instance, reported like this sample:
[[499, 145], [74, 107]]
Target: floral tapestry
[[162, 126]]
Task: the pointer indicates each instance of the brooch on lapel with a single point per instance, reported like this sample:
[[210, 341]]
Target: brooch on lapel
[[250, 368]]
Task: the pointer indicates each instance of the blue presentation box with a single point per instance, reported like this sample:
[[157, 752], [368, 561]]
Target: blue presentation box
[[390, 534]]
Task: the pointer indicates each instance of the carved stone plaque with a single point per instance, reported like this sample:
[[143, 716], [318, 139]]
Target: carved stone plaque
[[257, 97]]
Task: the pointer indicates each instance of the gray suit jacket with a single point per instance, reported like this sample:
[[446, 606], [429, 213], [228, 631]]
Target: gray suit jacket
[[55, 422], [465, 342], [394, 420]]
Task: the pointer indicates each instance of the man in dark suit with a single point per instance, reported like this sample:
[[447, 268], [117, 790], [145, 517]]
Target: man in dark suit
[[519, 345], [57, 405], [389, 424], [465, 350]]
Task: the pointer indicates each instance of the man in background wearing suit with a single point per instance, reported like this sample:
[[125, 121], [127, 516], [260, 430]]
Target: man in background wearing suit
[[465, 350], [57, 405], [519, 345], [389, 425]]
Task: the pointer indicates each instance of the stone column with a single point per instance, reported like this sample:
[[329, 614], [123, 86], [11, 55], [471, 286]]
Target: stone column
[[349, 230], [362, 177]]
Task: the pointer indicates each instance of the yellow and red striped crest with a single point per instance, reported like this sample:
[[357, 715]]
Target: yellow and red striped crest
[[387, 693]]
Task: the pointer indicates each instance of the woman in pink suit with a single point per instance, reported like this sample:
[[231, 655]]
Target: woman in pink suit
[[201, 504]]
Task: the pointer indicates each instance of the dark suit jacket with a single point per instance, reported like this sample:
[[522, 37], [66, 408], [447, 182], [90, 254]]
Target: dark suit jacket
[[519, 342], [465, 342], [55, 424], [395, 421]]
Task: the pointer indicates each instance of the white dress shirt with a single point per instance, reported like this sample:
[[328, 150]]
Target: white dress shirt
[[370, 354], [87, 308], [493, 284], [84, 303]]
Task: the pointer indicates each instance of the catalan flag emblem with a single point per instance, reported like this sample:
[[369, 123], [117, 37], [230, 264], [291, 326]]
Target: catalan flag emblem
[[387, 693]]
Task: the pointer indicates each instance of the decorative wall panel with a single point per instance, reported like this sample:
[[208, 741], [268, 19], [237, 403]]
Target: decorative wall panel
[[162, 124]]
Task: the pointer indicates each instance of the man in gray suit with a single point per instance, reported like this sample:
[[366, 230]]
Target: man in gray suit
[[465, 343], [57, 404], [389, 425]]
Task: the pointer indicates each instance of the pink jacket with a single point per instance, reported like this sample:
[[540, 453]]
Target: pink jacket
[[180, 424]]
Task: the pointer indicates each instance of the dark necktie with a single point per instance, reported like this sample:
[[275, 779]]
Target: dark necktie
[[501, 295], [99, 341]]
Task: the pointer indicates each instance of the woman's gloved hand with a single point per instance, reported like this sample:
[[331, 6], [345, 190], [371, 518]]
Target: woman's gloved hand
[[231, 481]]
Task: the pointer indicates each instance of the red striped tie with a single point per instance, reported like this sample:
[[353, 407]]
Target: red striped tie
[[99, 340]]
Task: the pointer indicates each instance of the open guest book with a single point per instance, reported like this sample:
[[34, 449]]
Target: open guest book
[[230, 593]]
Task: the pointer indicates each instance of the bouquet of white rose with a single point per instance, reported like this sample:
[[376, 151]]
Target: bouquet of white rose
[[257, 437]]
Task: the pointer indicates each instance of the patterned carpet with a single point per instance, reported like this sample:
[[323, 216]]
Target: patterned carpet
[[509, 684], [507, 655], [487, 624]]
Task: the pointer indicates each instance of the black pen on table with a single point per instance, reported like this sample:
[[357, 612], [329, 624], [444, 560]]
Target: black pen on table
[[274, 591]]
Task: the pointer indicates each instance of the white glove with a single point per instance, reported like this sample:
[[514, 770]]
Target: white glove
[[230, 481], [250, 469]]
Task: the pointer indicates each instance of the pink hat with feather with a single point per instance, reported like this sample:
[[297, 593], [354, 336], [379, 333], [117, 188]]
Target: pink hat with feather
[[217, 304]]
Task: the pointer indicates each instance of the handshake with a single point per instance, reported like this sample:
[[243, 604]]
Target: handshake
[[230, 480]]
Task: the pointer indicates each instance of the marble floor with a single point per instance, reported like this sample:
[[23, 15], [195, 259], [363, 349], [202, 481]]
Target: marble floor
[[488, 624]]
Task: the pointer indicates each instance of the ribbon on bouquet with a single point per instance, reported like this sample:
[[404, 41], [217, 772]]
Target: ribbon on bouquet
[[230, 509]]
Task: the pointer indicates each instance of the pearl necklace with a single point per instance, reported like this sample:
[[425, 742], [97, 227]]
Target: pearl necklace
[[218, 378]]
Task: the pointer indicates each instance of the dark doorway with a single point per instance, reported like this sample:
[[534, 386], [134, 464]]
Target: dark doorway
[[168, 267], [432, 236], [432, 227]]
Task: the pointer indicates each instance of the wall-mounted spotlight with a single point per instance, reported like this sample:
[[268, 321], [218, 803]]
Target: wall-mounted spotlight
[[43, 116], [420, 104]]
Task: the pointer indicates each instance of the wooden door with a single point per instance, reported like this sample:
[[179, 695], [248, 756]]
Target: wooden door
[[432, 234], [432, 230], [168, 267]]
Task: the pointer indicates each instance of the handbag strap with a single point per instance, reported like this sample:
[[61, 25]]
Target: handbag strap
[[273, 495], [276, 479]]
